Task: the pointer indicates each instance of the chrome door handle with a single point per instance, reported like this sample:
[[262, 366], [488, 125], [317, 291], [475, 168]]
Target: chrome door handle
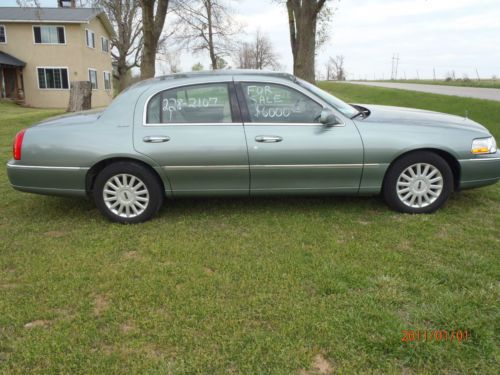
[[268, 138], [156, 139]]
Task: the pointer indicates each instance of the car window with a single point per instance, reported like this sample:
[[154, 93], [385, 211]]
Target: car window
[[207, 103], [275, 103]]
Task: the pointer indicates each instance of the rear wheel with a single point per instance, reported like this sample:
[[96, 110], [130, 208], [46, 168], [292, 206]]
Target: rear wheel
[[420, 182], [128, 192]]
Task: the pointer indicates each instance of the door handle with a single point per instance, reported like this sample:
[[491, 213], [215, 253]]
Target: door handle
[[156, 138], [268, 138]]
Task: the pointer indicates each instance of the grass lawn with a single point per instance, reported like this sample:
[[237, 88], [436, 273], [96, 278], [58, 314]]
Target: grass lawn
[[250, 286], [485, 83]]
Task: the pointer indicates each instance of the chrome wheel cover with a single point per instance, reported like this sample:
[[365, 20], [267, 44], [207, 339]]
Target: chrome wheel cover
[[419, 185], [125, 195]]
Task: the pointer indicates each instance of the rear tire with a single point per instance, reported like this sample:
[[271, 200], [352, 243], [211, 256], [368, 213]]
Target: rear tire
[[128, 192], [420, 182]]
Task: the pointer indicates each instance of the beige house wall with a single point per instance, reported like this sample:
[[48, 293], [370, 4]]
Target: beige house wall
[[74, 55]]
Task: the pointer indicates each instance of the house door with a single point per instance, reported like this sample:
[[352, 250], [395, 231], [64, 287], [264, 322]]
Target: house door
[[10, 80]]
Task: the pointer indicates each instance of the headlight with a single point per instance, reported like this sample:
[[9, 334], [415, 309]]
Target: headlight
[[484, 146]]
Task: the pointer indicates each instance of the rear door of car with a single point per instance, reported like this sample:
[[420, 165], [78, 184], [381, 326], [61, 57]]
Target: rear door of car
[[194, 131], [289, 149]]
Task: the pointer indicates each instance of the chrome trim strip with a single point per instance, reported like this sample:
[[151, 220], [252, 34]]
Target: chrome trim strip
[[190, 167], [267, 166], [479, 159], [197, 124], [9, 165]]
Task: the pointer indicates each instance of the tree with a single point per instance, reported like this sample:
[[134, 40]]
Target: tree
[[198, 67], [258, 54], [206, 25], [335, 69], [153, 20], [127, 41], [302, 22], [170, 58]]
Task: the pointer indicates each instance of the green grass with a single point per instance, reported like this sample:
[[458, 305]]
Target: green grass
[[485, 83], [250, 286]]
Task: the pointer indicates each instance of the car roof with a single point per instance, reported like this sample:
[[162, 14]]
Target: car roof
[[215, 73]]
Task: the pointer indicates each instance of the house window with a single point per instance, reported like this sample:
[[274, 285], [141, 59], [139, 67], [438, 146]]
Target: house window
[[3, 34], [93, 78], [107, 80], [53, 78], [49, 34], [90, 38], [104, 44]]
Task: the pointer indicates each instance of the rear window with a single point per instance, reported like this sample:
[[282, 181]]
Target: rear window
[[207, 103]]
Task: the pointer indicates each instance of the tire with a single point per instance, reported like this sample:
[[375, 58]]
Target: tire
[[420, 182], [128, 192]]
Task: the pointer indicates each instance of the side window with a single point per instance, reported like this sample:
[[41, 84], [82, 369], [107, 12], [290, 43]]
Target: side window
[[3, 34], [207, 103], [268, 102]]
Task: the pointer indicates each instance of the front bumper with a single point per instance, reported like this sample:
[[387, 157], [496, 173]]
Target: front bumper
[[479, 171], [50, 180]]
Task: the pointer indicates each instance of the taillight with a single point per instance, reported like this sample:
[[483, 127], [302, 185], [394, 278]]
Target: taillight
[[18, 143]]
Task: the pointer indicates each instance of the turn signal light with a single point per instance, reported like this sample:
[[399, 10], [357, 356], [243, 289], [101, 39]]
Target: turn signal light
[[18, 143]]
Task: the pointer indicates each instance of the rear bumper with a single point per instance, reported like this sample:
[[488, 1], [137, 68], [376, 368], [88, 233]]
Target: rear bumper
[[480, 171], [50, 180]]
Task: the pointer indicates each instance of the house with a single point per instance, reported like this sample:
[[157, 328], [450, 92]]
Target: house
[[42, 50]]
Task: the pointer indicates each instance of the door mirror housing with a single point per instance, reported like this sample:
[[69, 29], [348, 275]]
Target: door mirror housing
[[328, 118]]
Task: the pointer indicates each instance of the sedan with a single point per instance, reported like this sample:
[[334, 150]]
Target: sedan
[[241, 133]]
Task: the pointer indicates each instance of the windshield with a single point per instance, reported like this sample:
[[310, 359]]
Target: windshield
[[346, 109]]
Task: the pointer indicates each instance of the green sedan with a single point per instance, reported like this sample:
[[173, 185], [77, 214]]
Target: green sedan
[[241, 133]]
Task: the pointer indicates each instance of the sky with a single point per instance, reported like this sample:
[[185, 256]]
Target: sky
[[429, 36]]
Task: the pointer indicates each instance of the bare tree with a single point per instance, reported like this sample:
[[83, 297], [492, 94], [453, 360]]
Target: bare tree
[[206, 25], [154, 14], [302, 22], [127, 42], [245, 56], [258, 54], [335, 68], [170, 58]]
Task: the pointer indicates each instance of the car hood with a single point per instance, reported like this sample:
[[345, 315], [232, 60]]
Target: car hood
[[72, 118], [418, 117]]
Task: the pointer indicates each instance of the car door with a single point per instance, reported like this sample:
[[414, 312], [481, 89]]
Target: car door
[[195, 133], [289, 150]]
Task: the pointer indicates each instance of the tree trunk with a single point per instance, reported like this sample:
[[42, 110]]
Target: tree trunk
[[80, 96], [211, 50], [152, 27], [121, 69], [302, 17]]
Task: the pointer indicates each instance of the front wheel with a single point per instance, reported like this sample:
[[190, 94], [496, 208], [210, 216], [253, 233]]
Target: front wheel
[[127, 192], [420, 182]]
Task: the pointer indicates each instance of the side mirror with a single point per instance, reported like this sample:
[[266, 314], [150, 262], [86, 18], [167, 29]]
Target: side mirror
[[328, 118]]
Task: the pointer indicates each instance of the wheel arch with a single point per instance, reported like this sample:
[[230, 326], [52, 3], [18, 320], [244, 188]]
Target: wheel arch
[[448, 157], [100, 165]]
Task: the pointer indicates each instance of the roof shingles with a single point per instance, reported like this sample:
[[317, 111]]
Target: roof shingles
[[70, 15]]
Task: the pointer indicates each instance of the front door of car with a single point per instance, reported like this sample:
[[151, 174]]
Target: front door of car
[[195, 133], [289, 149]]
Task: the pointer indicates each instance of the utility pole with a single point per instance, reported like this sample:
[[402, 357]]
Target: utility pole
[[395, 63], [477, 73], [434, 72]]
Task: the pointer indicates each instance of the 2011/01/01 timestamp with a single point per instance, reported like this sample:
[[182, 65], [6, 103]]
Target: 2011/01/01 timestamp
[[439, 335]]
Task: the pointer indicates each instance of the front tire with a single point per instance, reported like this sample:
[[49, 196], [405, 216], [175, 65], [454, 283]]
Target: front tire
[[128, 192], [419, 182]]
